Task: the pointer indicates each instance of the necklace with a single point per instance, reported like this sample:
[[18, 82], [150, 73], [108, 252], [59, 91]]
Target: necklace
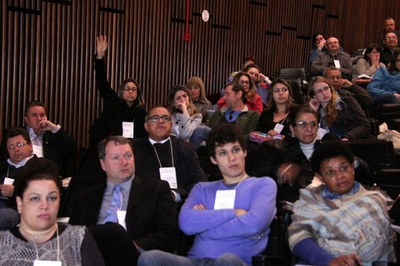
[[37, 237]]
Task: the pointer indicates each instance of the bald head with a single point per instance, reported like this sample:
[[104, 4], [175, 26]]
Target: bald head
[[333, 45]]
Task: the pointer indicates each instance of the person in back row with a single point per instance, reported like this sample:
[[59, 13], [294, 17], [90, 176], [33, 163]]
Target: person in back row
[[229, 218], [165, 157]]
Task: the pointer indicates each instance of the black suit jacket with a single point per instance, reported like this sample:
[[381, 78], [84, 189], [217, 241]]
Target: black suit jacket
[[59, 147], [151, 217], [186, 160]]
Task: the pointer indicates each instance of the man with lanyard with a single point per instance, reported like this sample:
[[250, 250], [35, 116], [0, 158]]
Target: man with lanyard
[[168, 158], [48, 139], [21, 159], [142, 206], [236, 111], [229, 218]]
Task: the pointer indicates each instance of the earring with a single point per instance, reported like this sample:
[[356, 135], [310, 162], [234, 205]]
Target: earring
[[19, 211]]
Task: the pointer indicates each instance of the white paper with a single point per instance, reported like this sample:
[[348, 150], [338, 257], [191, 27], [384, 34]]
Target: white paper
[[128, 130], [8, 181]]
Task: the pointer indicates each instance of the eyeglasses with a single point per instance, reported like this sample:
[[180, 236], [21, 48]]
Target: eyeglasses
[[244, 82], [18, 144], [156, 118], [331, 173], [304, 124], [391, 38], [334, 77], [130, 89], [280, 90], [324, 89]]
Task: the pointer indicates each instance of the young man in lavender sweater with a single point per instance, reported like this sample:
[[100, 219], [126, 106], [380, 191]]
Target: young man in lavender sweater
[[230, 218]]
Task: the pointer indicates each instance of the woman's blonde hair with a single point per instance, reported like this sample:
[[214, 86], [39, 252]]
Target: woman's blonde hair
[[330, 110]]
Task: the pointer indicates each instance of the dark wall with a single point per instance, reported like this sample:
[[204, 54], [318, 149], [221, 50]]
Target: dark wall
[[47, 47]]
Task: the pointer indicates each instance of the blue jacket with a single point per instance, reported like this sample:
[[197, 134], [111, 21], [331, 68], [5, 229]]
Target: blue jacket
[[384, 83]]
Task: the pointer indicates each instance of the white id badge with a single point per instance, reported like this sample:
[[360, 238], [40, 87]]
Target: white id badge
[[128, 130], [121, 218], [337, 63], [321, 133], [38, 150], [224, 199], [278, 128], [46, 263], [8, 181], [169, 174]]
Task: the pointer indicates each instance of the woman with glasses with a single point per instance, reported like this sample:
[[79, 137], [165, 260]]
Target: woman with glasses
[[341, 116], [273, 120], [339, 222], [385, 85], [254, 101], [370, 62], [123, 111], [185, 117]]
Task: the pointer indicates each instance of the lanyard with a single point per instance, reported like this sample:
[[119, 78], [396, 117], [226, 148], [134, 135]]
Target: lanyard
[[172, 154]]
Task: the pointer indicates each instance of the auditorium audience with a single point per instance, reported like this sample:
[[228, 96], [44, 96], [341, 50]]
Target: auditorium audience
[[391, 44], [21, 160], [273, 120], [123, 111], [339, 222], [197, 93], [184, 115], [229, 218], [141, 204], [236, 111], [332, 57], [370, 62], [162, 156], [254, 102], [260, 81], [39, 238], [385, 85], [389, 26], [344, 88], [319, 42], [48, 139], [340, 115]]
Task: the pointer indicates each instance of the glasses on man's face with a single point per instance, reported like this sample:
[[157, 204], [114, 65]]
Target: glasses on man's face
[[280, 90], [321, 90], [331, 173], [19, 144], [334, 77], [156, 118], [133, 89], [304, 124], [391, 38]]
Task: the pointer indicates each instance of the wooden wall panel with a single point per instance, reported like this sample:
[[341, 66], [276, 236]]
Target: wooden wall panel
[[48, 47]]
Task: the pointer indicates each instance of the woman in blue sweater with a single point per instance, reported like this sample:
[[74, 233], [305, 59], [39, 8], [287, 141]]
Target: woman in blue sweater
[[385, 85]]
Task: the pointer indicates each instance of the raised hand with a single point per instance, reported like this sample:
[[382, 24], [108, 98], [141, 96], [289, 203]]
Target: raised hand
[[101, 46]]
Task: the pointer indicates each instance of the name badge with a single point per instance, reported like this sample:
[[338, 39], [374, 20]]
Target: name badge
[[8, 181], [38, 150], [128, 130], [337, 63], [321, 133], [46, 263], [121, 218], [168, 174], [224, 199], [278, 128]]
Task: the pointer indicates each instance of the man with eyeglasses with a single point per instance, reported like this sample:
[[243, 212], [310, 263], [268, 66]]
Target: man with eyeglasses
[[165, 157], [332, 57], [347, 88], [389, 26], [21, 160], [391, 44]]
